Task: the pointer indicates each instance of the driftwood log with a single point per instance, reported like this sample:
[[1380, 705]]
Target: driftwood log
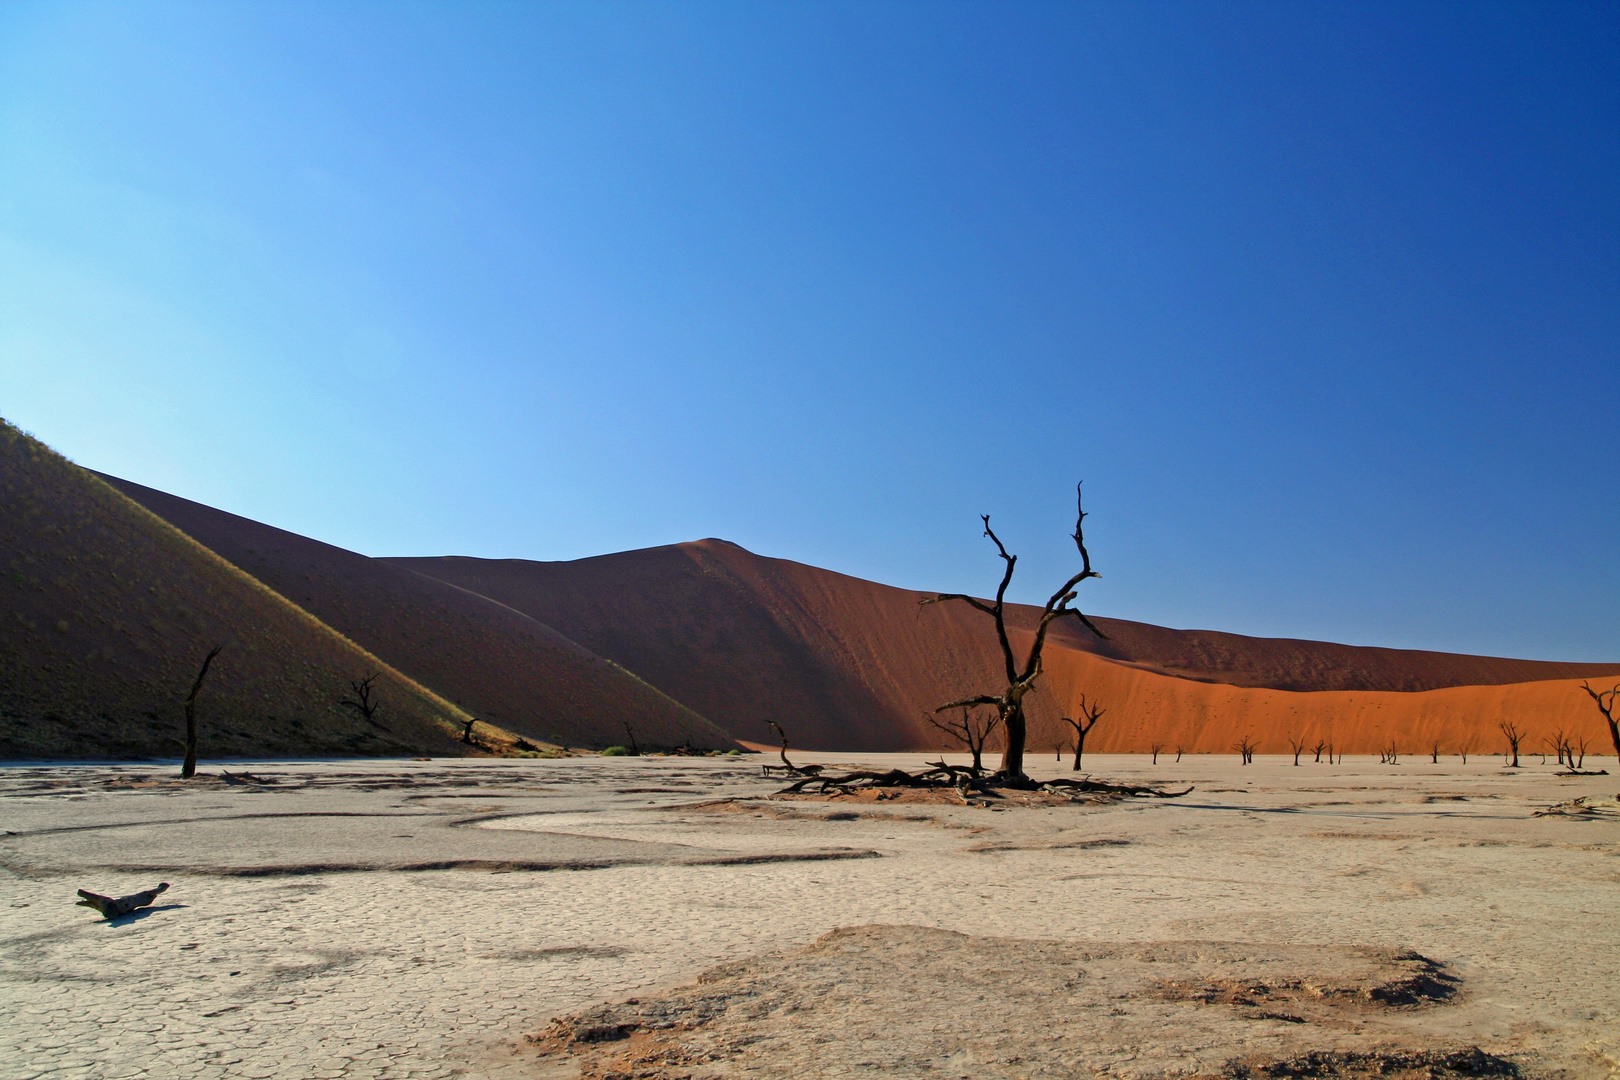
[[113, 907]]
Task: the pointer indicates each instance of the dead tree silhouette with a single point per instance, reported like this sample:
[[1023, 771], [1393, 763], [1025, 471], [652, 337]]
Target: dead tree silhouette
[[971, 732], [365, 701], [188, 768], [1089, 715], [1605, 703], [1009, 704], [1514, 736]]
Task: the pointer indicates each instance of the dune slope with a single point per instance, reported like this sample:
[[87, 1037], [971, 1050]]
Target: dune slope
[[492, 660], [848, 664], [107, 611]]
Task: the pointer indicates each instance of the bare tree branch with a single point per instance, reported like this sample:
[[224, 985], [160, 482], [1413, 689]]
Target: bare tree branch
[[1010, 702]]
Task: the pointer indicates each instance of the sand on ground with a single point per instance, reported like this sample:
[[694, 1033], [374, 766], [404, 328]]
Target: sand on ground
[[419, 919]]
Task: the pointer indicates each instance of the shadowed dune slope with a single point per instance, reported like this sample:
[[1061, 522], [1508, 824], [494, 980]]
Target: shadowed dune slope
[[107, 611], [848, 664], [1292, 664], [496, 662]]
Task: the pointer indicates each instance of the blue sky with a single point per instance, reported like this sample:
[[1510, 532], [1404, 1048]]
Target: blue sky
[[1320, 300]]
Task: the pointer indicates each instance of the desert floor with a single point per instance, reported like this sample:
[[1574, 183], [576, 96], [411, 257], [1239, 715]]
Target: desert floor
[[420, 918]]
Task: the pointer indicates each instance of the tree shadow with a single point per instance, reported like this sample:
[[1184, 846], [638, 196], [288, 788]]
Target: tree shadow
[[139, 914]]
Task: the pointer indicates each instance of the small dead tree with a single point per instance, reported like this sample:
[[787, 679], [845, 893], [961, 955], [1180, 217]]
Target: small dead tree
[[1557, 741], [1605, 702], [466, 732], [1434, 752], [787, 766], [1321, 744], [1089, 715], [1464, 748], [630, 733], [1178, 755], [972, 732], [1297, 746], [1245, 749], [365, 702], [1009, 704], [188, 768], [1514, 736], [1154, 750], [1389, 755]]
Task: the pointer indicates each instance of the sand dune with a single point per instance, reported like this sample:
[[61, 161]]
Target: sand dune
[[849, 664], [108, 611], [1145, 708], [113, 603], [496, 662]]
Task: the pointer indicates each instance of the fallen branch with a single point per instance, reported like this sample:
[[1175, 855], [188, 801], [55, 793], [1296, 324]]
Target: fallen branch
[[244, 778], [1587, 806], [939, 774], [112, 908], [1131, 791]]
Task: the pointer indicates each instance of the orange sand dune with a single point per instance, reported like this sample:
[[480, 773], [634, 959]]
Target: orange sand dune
[[111, 606], [497, 663], [1144, 708], [847, 664]]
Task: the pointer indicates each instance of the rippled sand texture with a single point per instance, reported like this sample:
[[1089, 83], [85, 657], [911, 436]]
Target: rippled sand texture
[[385, 919]]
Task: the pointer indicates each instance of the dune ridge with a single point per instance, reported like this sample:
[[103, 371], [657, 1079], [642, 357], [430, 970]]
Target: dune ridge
[[108, 611], [848, 664], [116, 591], [492, 660]]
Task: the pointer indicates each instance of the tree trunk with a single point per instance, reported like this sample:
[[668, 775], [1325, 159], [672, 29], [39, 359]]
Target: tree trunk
[[188, 768], [1012, 757]]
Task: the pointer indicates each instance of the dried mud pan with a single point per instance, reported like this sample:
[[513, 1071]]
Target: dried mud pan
[[423, 919], [916, 1001]]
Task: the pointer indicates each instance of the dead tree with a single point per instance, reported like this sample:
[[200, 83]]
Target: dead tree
[[466, 732], [114, 907], [630, 733], [1558, 741], [1605, 703], [1178, 755], [188, 768], [1009, 704], [1434, 752], [787, 767], [1462, 750], [1514, 736], [1297, 746], [1245, 749], [365, 702], [1389, 755], [1321, 744], [970, 732], [1089, 715], [1154, 750]]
